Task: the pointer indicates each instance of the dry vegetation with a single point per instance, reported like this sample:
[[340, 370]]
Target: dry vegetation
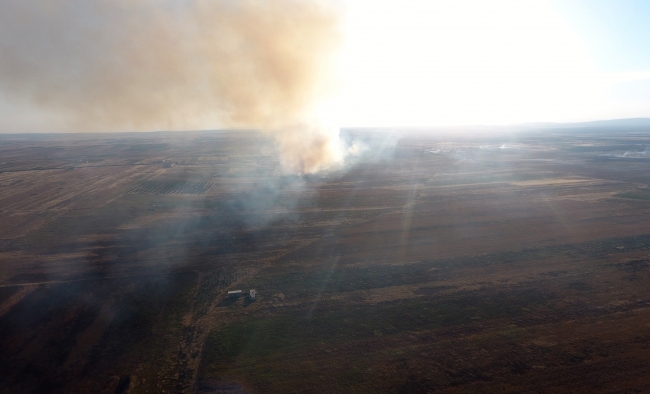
[[517, 263]]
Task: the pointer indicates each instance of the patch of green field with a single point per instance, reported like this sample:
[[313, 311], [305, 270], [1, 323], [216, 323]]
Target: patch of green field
[[256, 344], [489, 178], [171, 186], [296, 281], [140, 148], [638, 194], [579, 285]]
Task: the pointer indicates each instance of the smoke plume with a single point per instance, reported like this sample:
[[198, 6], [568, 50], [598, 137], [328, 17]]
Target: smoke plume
[[110, 65]]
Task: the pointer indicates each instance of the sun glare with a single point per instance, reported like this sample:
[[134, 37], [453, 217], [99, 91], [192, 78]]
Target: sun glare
[[433, 63]]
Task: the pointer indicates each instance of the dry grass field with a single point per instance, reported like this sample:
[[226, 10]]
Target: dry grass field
[[516, 263]]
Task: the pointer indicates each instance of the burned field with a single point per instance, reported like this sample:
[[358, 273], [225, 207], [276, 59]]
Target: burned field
[[515, 263]]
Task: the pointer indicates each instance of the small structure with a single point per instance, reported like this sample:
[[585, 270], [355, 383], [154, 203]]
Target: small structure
[[234, 294], [252, 294]]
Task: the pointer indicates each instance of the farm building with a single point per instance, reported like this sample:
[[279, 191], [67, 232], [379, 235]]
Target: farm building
[[252, 294], [234, 294]]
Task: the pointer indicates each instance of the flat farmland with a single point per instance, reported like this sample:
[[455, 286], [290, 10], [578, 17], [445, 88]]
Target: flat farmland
[[515, 262]]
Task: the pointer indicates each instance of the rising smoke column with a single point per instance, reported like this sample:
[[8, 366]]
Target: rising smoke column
[[107, 65]]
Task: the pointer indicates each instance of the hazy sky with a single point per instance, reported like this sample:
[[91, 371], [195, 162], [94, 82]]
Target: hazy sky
[[615, 31], [472, 62], [145, 65]]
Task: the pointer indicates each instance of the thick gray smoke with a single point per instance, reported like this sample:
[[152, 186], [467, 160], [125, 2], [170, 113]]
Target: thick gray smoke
[[109, 65]]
